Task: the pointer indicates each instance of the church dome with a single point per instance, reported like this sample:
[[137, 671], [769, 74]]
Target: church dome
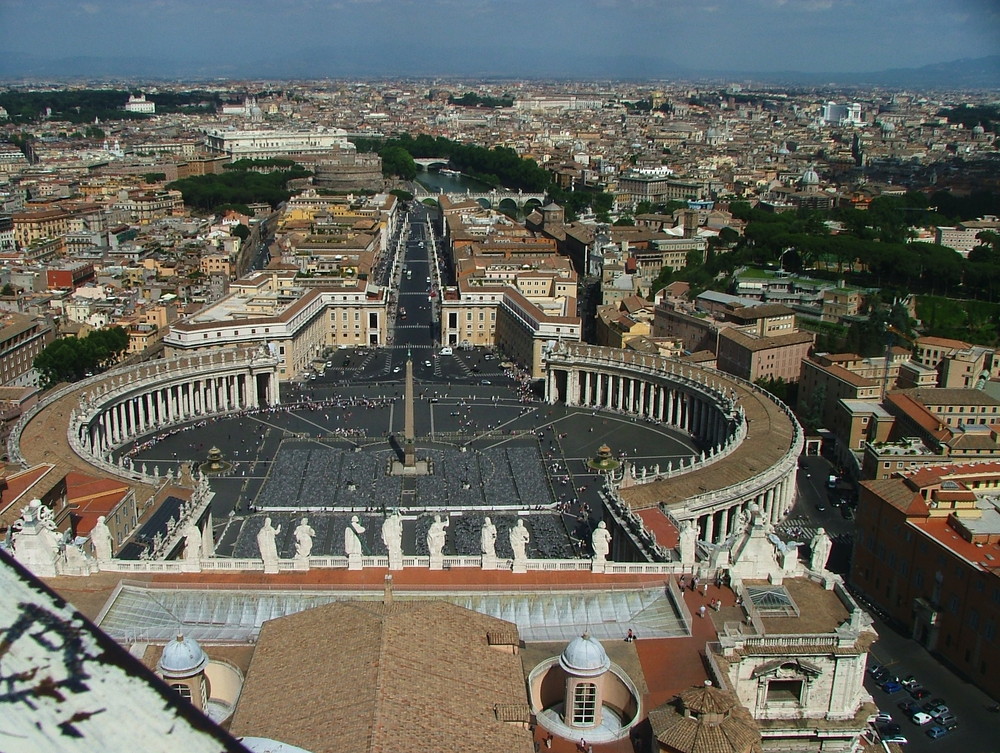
[[585, 656], [978, 129], [888, 127], [182, 657], [810, 177]]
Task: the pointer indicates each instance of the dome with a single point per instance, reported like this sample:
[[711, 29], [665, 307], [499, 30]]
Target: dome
[[888, 127], [978, 129], [810, 178], [182, 658], [585, 656]]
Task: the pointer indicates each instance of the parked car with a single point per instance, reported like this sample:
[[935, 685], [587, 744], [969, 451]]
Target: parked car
[[898, 739], [947, 719], [935, 709], [891, 686], [918, 691], [909, 708], [936, 730], [921, 718], [888, 730], [882, 717], [878, 673]]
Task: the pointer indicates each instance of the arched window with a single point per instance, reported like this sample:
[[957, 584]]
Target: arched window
[[584, 703], [183, 690]]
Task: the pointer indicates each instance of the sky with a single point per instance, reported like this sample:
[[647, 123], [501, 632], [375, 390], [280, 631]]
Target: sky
[[637, 38]]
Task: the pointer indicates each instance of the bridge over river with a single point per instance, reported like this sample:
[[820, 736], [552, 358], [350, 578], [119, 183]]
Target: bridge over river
[[491, 199]]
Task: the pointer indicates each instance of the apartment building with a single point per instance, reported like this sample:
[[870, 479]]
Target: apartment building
[[934, 425], [957, 363], [764, 343], [261, 144], [295, 323], [927, 549], [963, 237], [21, 339], [656, 187]]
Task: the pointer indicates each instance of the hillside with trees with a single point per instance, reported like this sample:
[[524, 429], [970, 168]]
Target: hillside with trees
[[244, 182]]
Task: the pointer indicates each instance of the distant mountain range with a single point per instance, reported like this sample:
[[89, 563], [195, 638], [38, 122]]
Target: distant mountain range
[[346, 62]]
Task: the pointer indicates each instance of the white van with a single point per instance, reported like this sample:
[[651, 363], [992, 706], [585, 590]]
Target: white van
[[446, 351]]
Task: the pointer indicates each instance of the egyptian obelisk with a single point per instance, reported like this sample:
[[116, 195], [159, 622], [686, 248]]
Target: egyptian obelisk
[[409, 451]]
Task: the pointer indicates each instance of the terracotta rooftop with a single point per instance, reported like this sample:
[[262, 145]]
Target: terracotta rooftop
[[391, 676]]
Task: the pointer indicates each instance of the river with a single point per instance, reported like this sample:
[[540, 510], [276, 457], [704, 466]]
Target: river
[[437, 182]]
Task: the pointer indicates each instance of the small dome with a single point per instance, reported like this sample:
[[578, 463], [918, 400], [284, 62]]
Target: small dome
[[182, 658], [585, 656], [810, 178], [888, 127], [978, 129]]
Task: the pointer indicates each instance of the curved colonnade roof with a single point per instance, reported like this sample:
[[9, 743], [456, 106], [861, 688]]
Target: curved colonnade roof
[[770, 432], [44, 439]]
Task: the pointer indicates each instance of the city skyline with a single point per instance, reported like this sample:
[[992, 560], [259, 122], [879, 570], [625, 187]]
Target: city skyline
[[607, 38]]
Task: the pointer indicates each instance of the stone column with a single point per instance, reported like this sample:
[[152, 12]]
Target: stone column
[[710, 528]]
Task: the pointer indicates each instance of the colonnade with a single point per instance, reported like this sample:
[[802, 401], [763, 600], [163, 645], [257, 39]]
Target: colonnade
[[647, 396], [774, 501], [703, 403], [167, 397]]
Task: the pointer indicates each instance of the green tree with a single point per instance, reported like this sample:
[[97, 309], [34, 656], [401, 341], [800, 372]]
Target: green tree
[[70, 358], [397, 161], [240, 230]]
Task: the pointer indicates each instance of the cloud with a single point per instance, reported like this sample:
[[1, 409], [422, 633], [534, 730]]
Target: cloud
[[808, 6]]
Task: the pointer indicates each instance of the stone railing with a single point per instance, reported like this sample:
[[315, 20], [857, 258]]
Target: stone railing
[[633, 526], [342, 563]]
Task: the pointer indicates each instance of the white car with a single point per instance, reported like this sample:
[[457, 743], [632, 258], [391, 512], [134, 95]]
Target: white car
[[428, 364], [921, 718]]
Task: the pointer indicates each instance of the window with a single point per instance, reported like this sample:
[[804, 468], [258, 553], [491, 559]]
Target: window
[[784, 691], [585, 703], [182, 690]]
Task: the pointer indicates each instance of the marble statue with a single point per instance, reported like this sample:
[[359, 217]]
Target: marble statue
[[488, 538], [519, 538], [304, 539], [392, 535], [688, 541], [820, 546], [600, 542], [192, 543], [100, 538], [436, 536], [352, 537], [784, 547], [266, 541]]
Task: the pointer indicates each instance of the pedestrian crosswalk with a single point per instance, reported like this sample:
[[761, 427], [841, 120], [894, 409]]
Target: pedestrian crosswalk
[[803, 529]]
